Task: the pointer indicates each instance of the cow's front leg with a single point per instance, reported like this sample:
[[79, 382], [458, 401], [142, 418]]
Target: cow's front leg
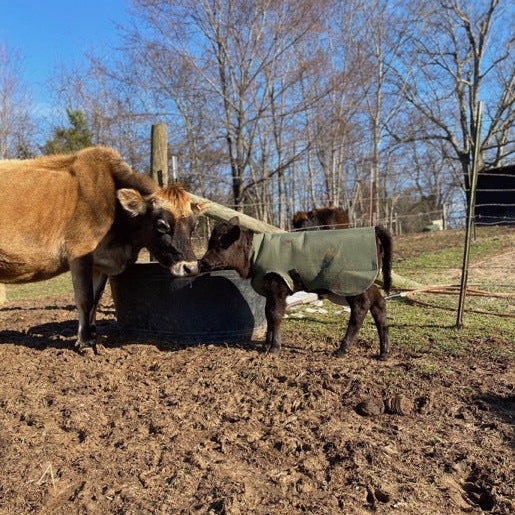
[[276, 292], [99, 282], [359, 305], [82, 278]]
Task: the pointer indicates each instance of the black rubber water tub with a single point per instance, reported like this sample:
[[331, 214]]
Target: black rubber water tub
[[209, 308]]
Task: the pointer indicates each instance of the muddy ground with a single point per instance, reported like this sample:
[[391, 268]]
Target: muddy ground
[[147, 427]]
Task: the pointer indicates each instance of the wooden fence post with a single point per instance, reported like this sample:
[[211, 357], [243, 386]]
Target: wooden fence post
[[222, 213], [159, 157], [159, 154]]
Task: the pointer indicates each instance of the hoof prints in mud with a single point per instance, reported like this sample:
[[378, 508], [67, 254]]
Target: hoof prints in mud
[[148, 427]]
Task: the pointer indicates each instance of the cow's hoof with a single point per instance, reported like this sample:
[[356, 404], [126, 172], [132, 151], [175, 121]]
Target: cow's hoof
[[85, 348], [99, 349], [340, 353], [382, 357], [273, 350]]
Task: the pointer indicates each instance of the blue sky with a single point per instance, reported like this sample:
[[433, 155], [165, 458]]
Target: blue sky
[[49, 33]]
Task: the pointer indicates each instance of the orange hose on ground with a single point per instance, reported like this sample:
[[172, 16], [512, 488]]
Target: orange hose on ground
[[452, 290]]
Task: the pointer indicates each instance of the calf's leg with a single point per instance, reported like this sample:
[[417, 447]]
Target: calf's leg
[[378, 310], [359, 305], [276, 292]]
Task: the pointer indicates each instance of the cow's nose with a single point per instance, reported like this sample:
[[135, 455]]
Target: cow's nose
[[191, 268], [184, 268]]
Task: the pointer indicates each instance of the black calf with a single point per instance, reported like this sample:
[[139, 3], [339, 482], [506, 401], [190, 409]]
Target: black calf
[[230, 248]]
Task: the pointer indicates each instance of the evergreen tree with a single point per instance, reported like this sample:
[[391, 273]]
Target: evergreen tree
[[72, 138]]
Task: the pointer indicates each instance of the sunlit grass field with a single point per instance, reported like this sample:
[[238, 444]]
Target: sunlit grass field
[[59, 285]]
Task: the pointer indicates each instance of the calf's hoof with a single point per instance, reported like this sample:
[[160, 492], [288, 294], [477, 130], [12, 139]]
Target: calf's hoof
[[383, 356], [340, 353], [272, 349]]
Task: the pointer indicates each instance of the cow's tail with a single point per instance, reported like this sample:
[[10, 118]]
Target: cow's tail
[[386, 240]]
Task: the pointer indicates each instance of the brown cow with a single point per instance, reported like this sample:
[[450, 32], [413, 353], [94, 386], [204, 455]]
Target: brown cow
[[329, 217], [231, 247], [89, 213]]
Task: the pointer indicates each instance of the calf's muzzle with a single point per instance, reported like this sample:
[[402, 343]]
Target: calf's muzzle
[[184, 268]]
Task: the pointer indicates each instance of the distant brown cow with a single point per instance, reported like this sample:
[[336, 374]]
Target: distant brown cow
[[329, 217], [89, 213]]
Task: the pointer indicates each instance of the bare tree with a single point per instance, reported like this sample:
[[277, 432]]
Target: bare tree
[[330, 123], [233, 51], [380, 31], [16, 126], [463, 53], [113, 114], [276, 105]]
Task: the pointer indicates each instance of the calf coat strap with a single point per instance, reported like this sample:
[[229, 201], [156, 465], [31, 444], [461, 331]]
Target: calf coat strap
[[343, 262]]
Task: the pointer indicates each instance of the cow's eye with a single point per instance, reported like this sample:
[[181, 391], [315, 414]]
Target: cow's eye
[[163, 226]]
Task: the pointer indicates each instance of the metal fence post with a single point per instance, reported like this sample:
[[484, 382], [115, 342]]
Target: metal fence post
[[470, 218]]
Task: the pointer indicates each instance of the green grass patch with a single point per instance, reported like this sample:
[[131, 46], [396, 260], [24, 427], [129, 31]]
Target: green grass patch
[[429, 369], [441, 261], [426, 329], [413, 329], [59, 285], [435, 258], [413, 245]]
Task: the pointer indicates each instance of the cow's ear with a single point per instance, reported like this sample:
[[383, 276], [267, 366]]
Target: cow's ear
[[199, 208], [234, 221], [132, 201]]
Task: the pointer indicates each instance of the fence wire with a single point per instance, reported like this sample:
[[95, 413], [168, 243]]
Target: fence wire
[[495, 210]]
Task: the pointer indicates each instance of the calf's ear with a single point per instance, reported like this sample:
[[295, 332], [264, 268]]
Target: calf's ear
[[234, 221], [231, 236], [132, 201]]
